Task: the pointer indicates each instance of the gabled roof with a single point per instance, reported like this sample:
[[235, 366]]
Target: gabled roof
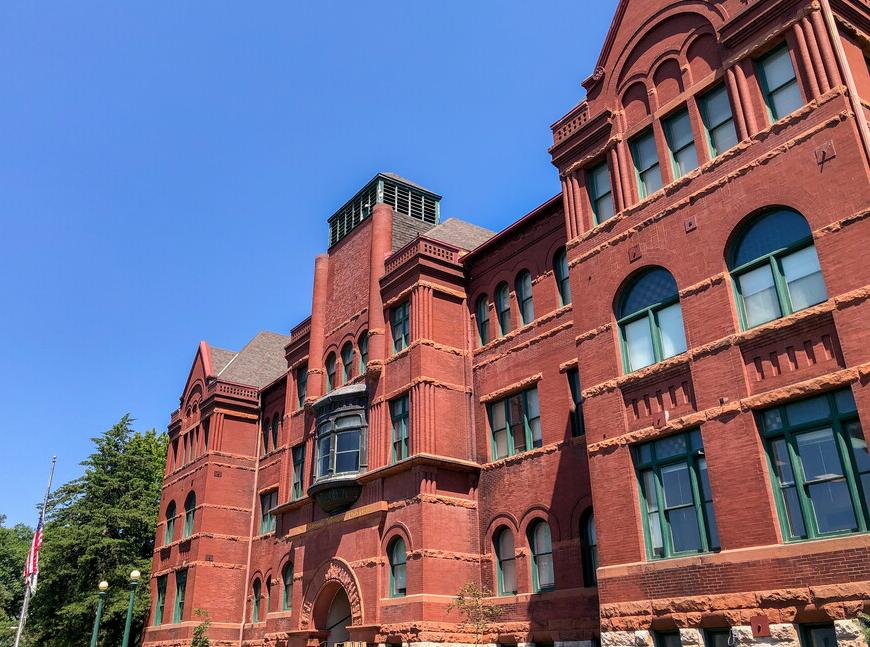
[[259, 363], [460, 233], [608, 40]]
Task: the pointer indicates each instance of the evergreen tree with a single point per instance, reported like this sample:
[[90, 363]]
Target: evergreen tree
[[14, 546], [100, 527]]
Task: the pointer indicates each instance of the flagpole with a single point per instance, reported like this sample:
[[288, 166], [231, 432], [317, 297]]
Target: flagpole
[[27, 593]]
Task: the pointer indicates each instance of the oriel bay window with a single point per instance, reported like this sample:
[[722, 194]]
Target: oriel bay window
[[775, 267], [676, 499], [340, 445], [400, 327], [646, 163], [399, 420], [268, 500], [650, 320], [820, 466], [718, 120], [600, 192], [681, 142], [779, 84], [515, 423], [506, 561]]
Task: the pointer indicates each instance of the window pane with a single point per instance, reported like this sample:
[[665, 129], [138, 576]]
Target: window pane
[[670, 639], [677, 485], [684, 529], [859, 447], [673, 334], [791, 502], [772, 420], [542, 538], [723, 137], [648, 482], [686, 160], [804, 277], [645, 152], [826, 485], [670, 446], [717, 638], [348, 441], [399, 578], [649, 289], [604, 207], [777, 69], [821, 636], [759, 296], [808, 410], [819, 456], [545, 571], [845, 401], [347, 462], [786, 100], [518, 427], [638, 344], [718, 119], [682, 143], [651, 180], [509, 576]]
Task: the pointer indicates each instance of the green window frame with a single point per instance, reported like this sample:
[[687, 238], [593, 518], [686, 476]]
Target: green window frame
[[346, 363], [505, 561], [363, 345], [525, 298], [515, 424], [160, 604], [681, 143], [256, 598], [650, 320], [675, 496], [774, 268], [717, 637], [600, 192], [298, 472], [287, 587], [481, 311], [779, 83], [589, 549], [169, 532], [541, 550], [398, 556], [821, 634], [647, 168], [301, 385], [577, 426], [189, 514], [563, 279], [817, 453], [340, 446], [400, 327], [268, 500], [330, 372], [180, 586], [503, 308], [718, 120], [399, 419]]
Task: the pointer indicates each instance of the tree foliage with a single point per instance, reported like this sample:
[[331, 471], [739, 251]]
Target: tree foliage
[[478, 615], [100, 527], [14, 546], [200, 632], [864, 619]]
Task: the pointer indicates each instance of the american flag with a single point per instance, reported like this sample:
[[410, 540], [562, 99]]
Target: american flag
[[31, 567]]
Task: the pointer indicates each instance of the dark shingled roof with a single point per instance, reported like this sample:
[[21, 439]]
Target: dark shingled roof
[[220, 357], [259, 363], [460, 233]]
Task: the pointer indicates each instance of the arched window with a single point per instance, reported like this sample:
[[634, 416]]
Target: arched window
[[330, 372], [169, 534], [523, 286], [541, 546], [775, 267], [301, 384], [287, 586], [257, 596], [503, 308], [506, 561], [275, 421], [589, 549], [268, 605], [266, 425], [482, 313], [560, 271], [189, 514], [398, 559], [346, 363], [363, 344], [650, 320]]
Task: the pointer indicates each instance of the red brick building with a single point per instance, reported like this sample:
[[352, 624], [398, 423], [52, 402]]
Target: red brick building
[[678, 341]]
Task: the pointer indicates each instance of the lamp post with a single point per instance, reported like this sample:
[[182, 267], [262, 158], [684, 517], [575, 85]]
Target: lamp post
[[134, 582], [103, 586]]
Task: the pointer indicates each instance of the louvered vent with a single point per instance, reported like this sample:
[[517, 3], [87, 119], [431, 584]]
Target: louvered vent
[[403, 196]]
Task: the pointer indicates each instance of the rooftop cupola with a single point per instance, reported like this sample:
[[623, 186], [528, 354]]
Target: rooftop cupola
[[402, 195]]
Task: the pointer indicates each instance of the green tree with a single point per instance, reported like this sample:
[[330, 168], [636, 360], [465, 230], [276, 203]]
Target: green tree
[[14, 546], [478, 615], [200, 632], [864, 619], [100, 526]]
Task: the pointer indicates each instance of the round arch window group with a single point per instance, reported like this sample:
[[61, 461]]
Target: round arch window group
[[342, 368], [775, 272], [171, 515]]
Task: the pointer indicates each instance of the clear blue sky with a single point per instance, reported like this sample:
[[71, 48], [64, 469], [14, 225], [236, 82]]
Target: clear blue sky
[[166, 171]]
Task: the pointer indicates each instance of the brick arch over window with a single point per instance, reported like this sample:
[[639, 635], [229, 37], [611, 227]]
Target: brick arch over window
[[668, 80], [542, 513], [398, 529], [332, 575], [635, 102], [703, 57]]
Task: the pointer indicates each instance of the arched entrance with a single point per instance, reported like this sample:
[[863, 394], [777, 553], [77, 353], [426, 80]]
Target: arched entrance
[[337, 619]]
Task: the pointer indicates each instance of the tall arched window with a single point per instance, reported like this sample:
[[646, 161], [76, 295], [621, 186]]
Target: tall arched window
[[523, 286], [287, 586], [560, 271], [275, 421], [503, 308], [346, 363], [189, 514], [541, 546], [398, 556], [265, 449], [169, 533], [330, 372], [775, 267], [506, 561], [650, 319], [268, 606], [256, 597], [589, 549], [363, 345], [482, 315]]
